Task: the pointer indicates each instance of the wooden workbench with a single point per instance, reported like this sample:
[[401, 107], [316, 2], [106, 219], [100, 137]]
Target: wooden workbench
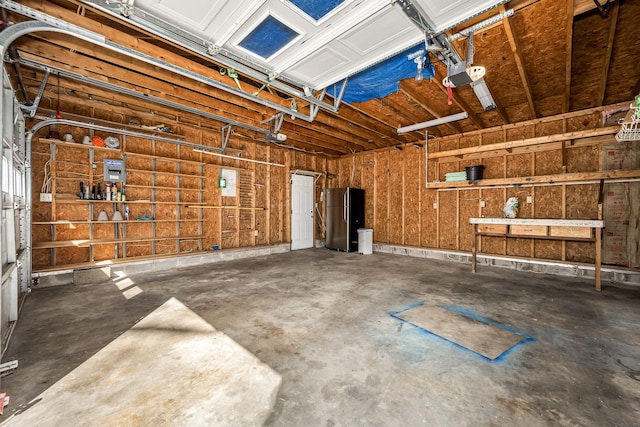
[[585, 230]]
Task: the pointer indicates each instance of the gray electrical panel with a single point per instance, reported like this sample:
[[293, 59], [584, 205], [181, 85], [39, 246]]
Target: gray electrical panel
[[114, 170]]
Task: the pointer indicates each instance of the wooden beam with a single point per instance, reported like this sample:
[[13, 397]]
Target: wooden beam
[[517, 56], [530, 141], [419, 99], [613, 22], [568, 58], [542, 179], [582, 6]]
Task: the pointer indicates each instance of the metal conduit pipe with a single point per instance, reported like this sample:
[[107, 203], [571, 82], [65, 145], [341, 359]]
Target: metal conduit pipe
[[46, 23], [150, 98]]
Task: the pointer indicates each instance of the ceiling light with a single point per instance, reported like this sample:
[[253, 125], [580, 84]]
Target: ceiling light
[[418, 58], [419, 77], [431, 123]]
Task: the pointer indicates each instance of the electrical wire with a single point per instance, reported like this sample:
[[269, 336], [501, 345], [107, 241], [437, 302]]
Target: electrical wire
[[46, 182]]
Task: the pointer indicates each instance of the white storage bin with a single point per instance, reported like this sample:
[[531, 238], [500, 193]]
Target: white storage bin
[[365, 241]]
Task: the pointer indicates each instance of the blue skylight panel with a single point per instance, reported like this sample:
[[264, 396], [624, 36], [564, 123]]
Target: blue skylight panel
[[268, 37]]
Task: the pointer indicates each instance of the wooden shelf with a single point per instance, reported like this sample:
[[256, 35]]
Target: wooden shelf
[[118, 125], [131, 221], [67, 204], [507, 147], [155, 187], [85, 243], [148, 202], [542, 179], [186, 175], [61, 143]]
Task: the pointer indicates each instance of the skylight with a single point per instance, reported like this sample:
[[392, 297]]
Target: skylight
[[315, 8], [268, 37]]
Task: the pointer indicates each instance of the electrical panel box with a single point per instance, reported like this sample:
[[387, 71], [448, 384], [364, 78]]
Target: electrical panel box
[[114, 170]]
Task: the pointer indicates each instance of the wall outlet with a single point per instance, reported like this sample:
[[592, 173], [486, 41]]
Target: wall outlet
[[529, 199], [255, 232], [435, 206], [46, 197], [483, 204]]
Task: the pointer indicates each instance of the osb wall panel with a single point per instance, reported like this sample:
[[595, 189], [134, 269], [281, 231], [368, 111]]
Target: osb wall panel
[[346, 170], [548, 203], [520, 247], [492, 137], [447, 218], [548, 163], [396, 199], [583, 159], [493, 167], [381, 216], [210, 217], [588, 121], [272, 223], [518, 165], [368, 184], [277, 186], [261, 194], [582, 203], [429, 218], [520, 132], [412, 184], [495, 200], [71, 255], [549, 128], [469, 208]]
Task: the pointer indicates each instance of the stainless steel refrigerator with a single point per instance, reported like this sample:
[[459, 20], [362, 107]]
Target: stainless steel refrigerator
[[345, 214]]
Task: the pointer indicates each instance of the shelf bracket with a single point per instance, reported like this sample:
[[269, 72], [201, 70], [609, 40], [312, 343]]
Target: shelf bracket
[[226, 133]]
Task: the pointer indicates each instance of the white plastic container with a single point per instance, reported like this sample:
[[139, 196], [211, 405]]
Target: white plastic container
[[365, 241]]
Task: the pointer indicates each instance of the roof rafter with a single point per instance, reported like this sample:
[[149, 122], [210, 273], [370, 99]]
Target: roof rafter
[[613, 23], [569, 44], [424, 103], [517, 56]]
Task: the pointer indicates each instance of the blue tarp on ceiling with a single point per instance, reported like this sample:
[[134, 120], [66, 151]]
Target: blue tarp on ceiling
[[382, 79]]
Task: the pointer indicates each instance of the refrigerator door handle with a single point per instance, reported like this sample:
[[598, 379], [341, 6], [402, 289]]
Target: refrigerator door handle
[[344, 206]]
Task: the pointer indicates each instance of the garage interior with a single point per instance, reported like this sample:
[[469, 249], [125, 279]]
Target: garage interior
[[170, 253]]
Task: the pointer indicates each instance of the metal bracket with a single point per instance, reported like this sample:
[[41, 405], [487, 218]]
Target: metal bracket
[[226, 133], [31, 109], [127, 8]]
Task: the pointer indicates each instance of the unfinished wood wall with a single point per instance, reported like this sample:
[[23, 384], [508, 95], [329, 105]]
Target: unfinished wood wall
[[263, 195], [402, 211]]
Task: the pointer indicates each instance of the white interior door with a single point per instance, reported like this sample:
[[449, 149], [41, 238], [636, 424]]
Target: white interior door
[[301, 212]]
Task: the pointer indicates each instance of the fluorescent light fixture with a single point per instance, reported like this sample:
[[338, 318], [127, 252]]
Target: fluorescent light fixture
[[481, 90], [435, 122]]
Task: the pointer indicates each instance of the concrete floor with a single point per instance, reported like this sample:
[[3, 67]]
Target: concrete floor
[[322, 320]]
